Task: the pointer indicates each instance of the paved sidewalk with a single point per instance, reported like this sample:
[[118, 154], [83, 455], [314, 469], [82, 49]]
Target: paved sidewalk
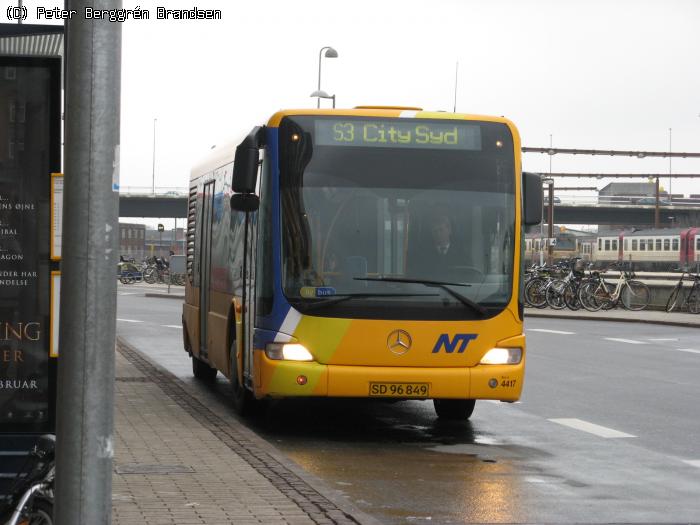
[[178, 462]]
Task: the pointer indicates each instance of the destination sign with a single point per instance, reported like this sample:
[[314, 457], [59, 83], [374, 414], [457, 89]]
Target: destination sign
[[398, 133]]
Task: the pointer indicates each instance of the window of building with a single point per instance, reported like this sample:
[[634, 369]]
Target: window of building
[[607, 245], [642, 245], [634, 245], [658, 245], [667, 244]]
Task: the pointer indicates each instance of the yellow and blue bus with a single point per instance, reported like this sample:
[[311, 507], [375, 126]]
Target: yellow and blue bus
[[368, 252]]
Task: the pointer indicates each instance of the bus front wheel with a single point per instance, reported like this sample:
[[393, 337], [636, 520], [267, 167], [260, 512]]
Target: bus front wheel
[[454, 409], [244, 403]]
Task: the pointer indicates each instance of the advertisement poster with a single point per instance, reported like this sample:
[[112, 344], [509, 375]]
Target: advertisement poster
[[28, 156]]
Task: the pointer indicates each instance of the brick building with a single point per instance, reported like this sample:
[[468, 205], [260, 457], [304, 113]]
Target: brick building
[[132, 240]]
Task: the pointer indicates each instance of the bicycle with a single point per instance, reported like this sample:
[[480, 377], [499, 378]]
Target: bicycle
[[31, 497], [534, 290], [563, 293], [597, 293], [691, 300]]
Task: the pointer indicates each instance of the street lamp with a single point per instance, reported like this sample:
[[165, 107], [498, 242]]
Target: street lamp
[[322, 94], [330, 53]]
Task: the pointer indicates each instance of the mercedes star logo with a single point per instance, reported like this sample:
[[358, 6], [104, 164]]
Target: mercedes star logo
[[399, 342]]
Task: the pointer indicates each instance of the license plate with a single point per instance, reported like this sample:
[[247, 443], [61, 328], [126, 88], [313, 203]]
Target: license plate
[[416, 390]]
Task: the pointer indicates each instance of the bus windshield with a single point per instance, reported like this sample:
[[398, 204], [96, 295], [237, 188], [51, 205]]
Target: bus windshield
[[397, 218]]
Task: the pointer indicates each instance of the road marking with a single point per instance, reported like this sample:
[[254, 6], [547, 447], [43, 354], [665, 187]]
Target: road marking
[[129, 320], [692, 462], [630, 341], [172, 326], [591, 428], [127, 293], [550, 331], [689, 350]]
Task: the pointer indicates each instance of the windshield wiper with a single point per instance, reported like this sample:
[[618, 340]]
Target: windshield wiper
[[339, 298], [438, 284]]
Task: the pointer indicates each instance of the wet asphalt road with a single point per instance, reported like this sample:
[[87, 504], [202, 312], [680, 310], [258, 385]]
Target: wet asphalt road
[[608, 430]]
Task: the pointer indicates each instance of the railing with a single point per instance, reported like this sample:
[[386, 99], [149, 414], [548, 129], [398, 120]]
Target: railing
[[162, 191], [618, 200]]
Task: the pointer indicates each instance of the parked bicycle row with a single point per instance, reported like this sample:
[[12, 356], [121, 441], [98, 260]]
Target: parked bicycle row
[[567, 284], [151, 270]]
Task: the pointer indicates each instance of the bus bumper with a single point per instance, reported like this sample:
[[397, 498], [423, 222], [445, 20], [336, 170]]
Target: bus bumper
[[294, 379]]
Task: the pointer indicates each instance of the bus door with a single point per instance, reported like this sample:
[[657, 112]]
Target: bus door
[[249, 300], [205, 265]]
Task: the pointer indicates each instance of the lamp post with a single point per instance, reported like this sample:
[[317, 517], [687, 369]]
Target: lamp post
[[322, 94], [670, 176], [330, 53], [154, 155], [550, 217]]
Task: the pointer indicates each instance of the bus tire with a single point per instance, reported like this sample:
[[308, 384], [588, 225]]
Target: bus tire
[[454, 409], [203, 371], [244, 402]]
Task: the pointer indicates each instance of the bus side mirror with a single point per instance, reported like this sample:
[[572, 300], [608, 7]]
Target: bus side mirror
[[247, 202], [245, 163], [532, 199]]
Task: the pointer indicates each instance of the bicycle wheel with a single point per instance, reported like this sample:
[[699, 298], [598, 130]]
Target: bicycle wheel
[[673, 298], [554, 294], [694, 300], [535, 292], [635, 295], [571, 296], [150, 275], [586, 296]]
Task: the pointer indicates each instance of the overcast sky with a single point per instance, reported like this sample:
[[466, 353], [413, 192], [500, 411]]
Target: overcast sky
[[593, 74]]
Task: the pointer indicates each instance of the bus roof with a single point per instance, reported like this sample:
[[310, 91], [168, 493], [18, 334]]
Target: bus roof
[[386, 112]]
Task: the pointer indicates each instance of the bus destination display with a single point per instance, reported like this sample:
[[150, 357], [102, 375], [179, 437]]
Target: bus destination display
[[398, 133]]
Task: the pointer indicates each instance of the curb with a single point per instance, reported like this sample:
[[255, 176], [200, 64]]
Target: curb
[[165, 295], [284, 474], [578, 317]]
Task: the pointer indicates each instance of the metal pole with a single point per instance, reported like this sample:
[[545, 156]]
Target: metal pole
[[154, 155], [454, 109], [85, 398], [656, 209], [550, 214], [318, 99], [670, 177]]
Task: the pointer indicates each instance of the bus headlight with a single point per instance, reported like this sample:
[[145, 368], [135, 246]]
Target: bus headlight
[[288, 352], [502, 356]]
